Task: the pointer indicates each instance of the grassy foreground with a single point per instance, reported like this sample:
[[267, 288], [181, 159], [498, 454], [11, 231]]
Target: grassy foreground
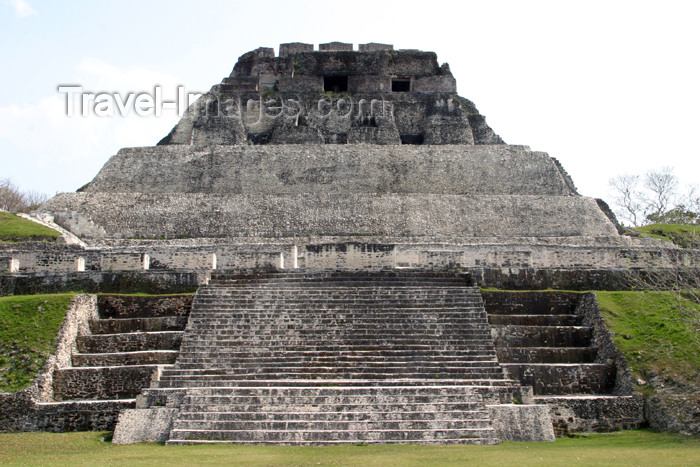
[[28, 328], [16, 229], [615, 449]]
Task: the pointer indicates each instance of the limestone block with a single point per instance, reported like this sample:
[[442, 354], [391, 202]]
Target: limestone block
[[374, 46], [335, 46], [144, 425], [519, 422], [294, 47]]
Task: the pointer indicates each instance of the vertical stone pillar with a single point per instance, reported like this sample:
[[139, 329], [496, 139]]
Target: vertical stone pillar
[[295, 257]]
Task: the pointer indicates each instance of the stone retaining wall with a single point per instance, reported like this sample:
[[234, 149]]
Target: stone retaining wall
[[319, 169], [273, 216]]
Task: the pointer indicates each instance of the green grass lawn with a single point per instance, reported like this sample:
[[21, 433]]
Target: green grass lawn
[[28, 328], [639, 448], [685, 236], [647, 331], [16, 229]]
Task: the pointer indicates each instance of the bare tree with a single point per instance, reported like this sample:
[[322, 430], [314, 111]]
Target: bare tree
[[692, 198], [34, 199], [661, 186], [13, 200], [628, 197], [657, 199], [10, 197]]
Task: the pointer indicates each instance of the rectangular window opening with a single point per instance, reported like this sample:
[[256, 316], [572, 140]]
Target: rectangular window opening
[[335, 83], [411, 139], [401, 84]]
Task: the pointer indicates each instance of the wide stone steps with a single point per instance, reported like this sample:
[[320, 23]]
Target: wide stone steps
[[333, 436], [345, 295], [335, 362], [343, 329], [309, 284], [327, 296], [296, 340], [336, 357], [322, 414], [336, 425], [233, 380], [377, 289], [397, 412], [408, 309], [262, 354], [320, 372]]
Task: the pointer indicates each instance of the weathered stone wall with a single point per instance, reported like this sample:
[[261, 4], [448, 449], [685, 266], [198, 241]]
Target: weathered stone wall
[[602, 341], [173, 215], [125, 306], [124, 261], [528, 256], [47, 256], [350, 256], [578, 414], [156, 282], [122, 382], [299, 169]]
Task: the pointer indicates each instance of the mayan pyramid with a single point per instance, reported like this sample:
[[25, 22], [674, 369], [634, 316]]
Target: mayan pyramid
[[335, 210], [370, 146]]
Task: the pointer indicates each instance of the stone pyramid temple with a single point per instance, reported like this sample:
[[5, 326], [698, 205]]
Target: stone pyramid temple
[[335, 210]]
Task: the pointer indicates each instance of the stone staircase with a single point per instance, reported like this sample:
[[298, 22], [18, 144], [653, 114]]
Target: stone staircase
[[547, 340], [542, 342], [133, 338], [314, 358]]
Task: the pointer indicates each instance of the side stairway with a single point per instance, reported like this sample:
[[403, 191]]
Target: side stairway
[[314, 358], [544, 340], [133, 338]]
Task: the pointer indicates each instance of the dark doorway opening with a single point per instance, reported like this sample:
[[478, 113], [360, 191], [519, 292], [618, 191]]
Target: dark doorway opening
[[335, 83], [401, 85], [411, 139]]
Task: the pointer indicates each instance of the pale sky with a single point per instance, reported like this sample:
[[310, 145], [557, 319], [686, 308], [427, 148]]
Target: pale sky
[[606, 87]]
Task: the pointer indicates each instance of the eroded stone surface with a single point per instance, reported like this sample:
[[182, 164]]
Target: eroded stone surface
[[144, 425]]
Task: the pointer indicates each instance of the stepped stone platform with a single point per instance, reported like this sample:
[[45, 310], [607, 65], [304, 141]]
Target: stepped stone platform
[[131, 339], [314, 358], [549, 341]]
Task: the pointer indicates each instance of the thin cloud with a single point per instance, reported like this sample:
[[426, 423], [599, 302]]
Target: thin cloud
[[22, 8]]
